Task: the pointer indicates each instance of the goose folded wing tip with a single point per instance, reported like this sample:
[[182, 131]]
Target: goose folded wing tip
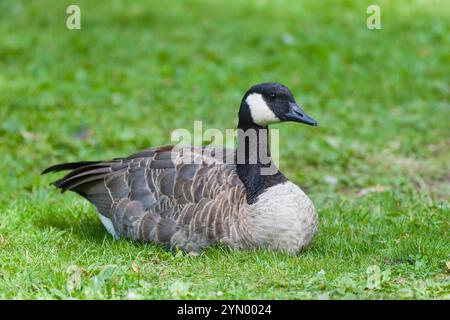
[[48, 170], [67, 166]]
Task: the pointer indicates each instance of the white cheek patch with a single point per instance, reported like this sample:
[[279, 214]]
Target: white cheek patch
[[260, 111]]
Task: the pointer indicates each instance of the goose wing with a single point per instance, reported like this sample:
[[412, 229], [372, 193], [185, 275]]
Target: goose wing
[[176, 196]]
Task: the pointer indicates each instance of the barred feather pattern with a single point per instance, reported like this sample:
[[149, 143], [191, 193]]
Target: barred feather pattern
[[188, 198], [158, 196]]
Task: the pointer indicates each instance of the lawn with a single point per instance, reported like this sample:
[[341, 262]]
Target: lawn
[[377, 166]]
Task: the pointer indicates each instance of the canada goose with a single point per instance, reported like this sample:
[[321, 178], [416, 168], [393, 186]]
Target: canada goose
[[159, 195]]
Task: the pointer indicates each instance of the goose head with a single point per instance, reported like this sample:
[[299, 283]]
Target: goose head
[[269, 103]]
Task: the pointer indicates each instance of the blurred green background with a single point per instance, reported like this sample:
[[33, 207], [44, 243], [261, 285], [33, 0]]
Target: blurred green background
[[377, 167]]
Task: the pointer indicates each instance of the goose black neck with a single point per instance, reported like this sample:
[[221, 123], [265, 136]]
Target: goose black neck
[[254, 165]]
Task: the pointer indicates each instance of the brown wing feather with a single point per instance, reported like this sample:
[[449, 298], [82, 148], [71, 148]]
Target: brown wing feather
[[154, 195]]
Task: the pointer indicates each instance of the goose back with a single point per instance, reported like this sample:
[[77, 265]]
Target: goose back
[[188, 197]]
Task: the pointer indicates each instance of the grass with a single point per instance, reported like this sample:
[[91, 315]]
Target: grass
[[377, 167]]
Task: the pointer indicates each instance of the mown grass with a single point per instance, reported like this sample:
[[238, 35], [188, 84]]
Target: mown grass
[[377, 167]]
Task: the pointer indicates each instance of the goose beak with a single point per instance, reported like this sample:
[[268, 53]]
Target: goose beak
[[297, 114]]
